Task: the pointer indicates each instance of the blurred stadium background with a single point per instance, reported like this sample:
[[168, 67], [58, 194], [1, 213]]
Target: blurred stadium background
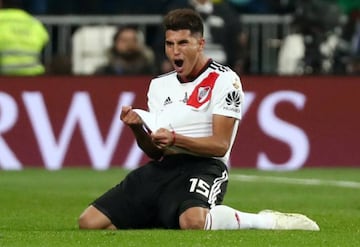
[[69, 117], [305, 122], [81, 31]]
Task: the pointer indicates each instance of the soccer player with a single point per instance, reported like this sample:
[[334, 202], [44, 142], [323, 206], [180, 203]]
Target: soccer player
[[197, 108]]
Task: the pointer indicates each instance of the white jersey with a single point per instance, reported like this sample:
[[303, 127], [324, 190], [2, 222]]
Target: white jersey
[[188, 107]]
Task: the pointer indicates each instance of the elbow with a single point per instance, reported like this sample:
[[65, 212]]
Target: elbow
[[222, 149]]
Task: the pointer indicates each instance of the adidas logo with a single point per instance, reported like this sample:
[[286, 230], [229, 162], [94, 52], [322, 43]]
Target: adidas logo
[[167, 101]]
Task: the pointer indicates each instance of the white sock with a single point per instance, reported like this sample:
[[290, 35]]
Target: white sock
[[222, 217]]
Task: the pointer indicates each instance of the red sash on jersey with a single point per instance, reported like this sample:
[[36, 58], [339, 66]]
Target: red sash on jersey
[[202, 92]]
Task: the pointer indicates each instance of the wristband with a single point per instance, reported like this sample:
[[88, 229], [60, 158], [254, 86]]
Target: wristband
[[174, 138]]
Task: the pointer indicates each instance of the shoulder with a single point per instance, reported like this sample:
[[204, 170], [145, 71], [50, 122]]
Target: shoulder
[[224, 71], [163, 81], [170, 76], [218, 67], [227, 77]]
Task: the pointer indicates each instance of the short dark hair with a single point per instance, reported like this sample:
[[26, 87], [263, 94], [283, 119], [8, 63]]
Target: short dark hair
[[184, 19], [121, 29]]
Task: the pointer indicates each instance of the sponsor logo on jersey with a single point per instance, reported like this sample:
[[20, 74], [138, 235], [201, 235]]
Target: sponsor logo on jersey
[[167, 101], [233, 101]]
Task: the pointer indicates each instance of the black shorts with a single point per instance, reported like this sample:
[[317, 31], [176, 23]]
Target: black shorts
[[154, 195]]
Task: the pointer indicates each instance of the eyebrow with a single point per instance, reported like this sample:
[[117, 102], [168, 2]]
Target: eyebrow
[[182, 41]]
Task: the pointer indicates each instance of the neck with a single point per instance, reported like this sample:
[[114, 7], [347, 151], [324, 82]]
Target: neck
[[198, 69]]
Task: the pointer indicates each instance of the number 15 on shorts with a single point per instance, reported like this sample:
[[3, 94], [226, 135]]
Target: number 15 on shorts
[[199, 186]]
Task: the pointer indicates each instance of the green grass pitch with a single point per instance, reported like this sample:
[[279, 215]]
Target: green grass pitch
[[40, 208]]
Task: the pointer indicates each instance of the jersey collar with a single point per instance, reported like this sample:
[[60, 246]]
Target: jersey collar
[[198, 74]]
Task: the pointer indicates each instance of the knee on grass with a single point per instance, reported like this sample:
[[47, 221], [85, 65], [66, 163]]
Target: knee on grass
[[85, 222], [193, 218], [188, 223]]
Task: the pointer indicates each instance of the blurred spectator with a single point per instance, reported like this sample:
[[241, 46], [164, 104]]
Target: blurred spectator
[[221, 26], [312, 46], [352, 36], [22, 38], [225, 28], [128, 55]]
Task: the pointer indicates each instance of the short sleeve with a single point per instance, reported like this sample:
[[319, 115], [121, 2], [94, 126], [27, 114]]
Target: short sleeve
[[151, 95], [228, 96]]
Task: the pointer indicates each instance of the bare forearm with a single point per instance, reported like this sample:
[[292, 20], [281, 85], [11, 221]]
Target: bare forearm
[[204, 146], [133, 120], [145, 143], [215, 145]]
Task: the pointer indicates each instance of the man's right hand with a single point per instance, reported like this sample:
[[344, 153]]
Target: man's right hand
[[130, 117]]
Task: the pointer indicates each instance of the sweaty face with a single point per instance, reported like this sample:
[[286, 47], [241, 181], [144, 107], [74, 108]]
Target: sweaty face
[[184, 51]]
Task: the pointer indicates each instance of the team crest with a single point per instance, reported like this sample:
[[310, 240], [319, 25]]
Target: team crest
[[203, 93]]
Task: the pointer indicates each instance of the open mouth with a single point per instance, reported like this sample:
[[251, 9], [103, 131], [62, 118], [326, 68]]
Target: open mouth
[[179, 62]]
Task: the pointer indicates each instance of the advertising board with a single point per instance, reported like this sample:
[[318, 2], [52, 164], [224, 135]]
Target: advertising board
[[288, 122]]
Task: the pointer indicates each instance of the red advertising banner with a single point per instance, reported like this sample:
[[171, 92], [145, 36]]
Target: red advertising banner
[[288, 122]]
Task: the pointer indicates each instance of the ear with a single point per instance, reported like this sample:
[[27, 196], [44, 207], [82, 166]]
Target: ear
[[202, 43]]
